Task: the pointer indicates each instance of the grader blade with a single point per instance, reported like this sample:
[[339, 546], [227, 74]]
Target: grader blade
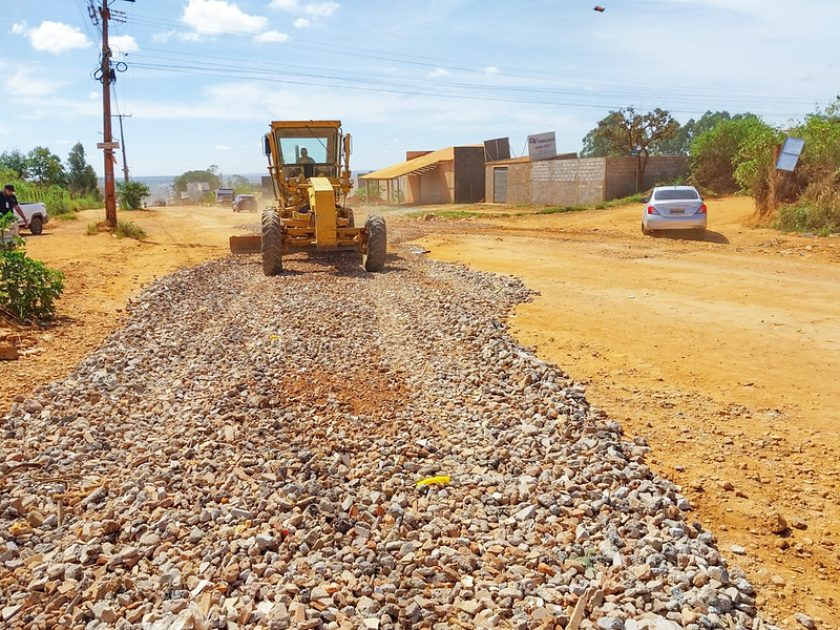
[[250, 244]]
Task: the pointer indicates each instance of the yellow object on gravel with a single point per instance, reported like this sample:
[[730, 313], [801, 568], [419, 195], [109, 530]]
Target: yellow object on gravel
[[440, 480]]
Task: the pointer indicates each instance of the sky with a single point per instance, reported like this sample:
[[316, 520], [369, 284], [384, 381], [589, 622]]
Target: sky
[[199, 80]]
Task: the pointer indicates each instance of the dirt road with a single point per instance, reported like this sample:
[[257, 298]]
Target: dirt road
[[723, 352], [333, 449], [102, 272]]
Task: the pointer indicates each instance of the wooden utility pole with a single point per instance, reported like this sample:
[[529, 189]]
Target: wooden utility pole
[[122, 144], [108, 144]]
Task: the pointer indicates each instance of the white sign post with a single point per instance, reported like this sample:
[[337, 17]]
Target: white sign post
[[542, 146]]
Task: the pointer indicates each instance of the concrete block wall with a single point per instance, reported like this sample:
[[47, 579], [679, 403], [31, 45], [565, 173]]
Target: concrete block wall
[[621, 174], [585, 181], [552, 182]]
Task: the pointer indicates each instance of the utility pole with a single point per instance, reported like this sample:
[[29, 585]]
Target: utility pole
[[122, 144], [108, 144]]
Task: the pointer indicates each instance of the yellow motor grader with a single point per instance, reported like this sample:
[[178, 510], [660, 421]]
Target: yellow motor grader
[[305, 160]]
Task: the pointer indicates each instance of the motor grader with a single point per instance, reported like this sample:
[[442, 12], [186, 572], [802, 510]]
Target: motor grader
[[309, 163]]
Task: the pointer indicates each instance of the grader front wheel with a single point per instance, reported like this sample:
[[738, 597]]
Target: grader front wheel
[[272, 243], [377, 241]]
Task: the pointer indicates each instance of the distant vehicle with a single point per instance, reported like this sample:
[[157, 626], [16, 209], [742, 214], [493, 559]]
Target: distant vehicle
[[224, 196], [674, 208], [245, 203]]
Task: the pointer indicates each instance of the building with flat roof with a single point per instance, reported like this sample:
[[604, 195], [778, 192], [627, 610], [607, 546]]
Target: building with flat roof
[[450, 175]]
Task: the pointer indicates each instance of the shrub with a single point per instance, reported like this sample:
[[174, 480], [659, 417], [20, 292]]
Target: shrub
[[127, 229], [131, 194], [28, 288], [804, 217], [717, 154]]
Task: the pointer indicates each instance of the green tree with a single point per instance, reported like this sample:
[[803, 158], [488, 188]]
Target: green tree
[[131, 194], [626, 132], [595, 145], [45, 167], [180, 182], [80, 175], [680, 143], [240, 184], [14, 161], [718, 152]]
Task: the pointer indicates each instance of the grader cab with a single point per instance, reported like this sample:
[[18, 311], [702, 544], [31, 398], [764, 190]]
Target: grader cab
[[309, 163]]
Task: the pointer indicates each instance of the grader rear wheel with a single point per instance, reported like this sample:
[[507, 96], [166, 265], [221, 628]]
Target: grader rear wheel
[[374, 259], [272, 243]]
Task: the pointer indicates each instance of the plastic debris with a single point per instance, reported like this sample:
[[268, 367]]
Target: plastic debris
[[440, 480]]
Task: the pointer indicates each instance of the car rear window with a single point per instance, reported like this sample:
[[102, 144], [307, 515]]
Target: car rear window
[[674, 195]]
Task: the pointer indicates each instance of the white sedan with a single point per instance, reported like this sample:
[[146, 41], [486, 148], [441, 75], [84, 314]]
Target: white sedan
[[674, 208]]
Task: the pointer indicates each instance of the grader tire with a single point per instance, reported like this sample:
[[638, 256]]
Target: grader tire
[[272, 243], [377, 241]]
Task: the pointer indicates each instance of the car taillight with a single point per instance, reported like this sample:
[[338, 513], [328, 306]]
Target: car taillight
[[703, 209], [652, 210]]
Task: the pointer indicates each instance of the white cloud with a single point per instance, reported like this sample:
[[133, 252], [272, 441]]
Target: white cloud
[[302, 22], [124, 44], [53, 37], [190, 37], [162, 38], [271, 37], [491, 70], [217, 17], [223, 147], [437, 73], [26, 82], [311, 9]]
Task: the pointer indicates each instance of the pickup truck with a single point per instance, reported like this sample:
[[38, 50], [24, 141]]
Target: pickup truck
[[36, 216]]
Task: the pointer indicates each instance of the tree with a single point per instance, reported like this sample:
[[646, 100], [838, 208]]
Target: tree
[[240, 184], [680, 144], [595, 145], [625, 132], [208, 177], [14, 161], [45, 167], [80, 175], [719, 151], [131, 194]]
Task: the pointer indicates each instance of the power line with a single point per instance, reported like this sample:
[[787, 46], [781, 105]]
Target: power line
[[690, 92], [429, 90], [239, 65]]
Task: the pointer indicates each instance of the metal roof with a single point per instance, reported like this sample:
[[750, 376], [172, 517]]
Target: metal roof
[[420, 164]]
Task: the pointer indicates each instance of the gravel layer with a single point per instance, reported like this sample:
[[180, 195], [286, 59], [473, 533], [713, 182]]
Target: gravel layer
[[245, 452]]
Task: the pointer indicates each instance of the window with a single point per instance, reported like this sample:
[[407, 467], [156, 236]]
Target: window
[[307, 145], [679, 194]]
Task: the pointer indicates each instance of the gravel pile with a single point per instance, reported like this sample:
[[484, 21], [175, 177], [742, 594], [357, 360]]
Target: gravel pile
[[246, 452]]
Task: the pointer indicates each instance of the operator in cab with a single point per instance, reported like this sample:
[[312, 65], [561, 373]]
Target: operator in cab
[[304, 157]]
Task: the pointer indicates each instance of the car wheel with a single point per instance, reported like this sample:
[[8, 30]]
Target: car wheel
[[36, 225], [646, 231]]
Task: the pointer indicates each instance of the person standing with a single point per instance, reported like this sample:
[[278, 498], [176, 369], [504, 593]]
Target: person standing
[[9, 204]]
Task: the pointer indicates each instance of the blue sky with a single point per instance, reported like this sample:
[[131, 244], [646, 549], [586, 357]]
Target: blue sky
[[204, 77]]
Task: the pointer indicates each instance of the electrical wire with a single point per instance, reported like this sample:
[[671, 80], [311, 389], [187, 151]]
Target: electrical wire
[[433, 63], [237, 65]]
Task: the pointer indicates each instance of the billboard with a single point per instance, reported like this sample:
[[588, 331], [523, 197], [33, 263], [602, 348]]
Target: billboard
[[542, 146]]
